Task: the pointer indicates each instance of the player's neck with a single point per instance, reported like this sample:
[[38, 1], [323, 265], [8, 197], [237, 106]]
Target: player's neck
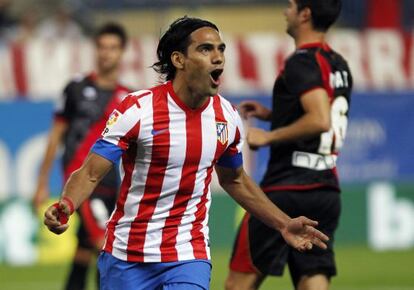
[[307, 36], [185, 94], [107, 80]]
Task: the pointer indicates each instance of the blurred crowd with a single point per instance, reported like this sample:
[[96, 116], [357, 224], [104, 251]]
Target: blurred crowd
[[394, 14], [21, 20], [61, 19]]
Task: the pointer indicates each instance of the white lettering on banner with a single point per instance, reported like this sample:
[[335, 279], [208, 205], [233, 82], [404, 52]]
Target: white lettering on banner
[[265, 49], [364, 136], [18, 177], [50, 64], [28, 160], [17, 228], [350, 44], [385, 59], [18, 173], [7, 88], [379, 168], [365, 132], [83, 54], [233, 81], [5, 168], [390, 220], [136, 66], [131, 66]]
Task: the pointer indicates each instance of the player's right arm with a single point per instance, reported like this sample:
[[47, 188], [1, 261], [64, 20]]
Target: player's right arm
[[121, 130], [78, 188], [298, 232], [56, 133]]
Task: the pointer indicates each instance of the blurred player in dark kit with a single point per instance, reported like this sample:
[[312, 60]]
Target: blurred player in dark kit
[[80, 117], [309, 118]]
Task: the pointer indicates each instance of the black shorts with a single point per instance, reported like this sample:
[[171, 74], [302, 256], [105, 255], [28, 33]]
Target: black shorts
[[260, 249], [93, 215]]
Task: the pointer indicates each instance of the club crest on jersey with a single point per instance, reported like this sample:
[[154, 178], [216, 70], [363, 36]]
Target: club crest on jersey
[[113, 118], [222, 133]]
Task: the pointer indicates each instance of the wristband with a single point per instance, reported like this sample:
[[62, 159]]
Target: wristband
[[69, 202], [62, 216]]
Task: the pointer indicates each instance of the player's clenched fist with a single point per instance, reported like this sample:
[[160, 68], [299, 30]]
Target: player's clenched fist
[[57, 215]]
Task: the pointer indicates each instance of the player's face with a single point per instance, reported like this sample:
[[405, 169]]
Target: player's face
[[109, 52], [204, 62], [291, 15]]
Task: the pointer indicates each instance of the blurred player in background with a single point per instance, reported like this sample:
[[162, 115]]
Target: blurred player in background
[[309, 118], [169, 138], [79, 120]]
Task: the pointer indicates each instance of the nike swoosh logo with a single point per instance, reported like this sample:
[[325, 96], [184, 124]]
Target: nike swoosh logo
[[158, 132]]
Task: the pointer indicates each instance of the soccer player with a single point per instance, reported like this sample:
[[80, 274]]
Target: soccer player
[[169, 138], [308, 123], [79, 120]]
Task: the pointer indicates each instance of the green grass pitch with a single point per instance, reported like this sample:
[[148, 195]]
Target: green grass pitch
[[359, 269]]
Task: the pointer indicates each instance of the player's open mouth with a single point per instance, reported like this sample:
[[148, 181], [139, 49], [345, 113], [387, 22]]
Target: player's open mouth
[[215, 76]]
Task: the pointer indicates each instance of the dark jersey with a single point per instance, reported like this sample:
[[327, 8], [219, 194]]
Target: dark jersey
[[309, 163], [85, 108]]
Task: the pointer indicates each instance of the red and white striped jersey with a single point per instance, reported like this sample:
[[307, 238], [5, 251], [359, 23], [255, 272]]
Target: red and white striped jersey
[[168, 153]]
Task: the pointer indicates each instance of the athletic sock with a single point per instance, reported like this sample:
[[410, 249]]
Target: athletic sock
[[77, 277]]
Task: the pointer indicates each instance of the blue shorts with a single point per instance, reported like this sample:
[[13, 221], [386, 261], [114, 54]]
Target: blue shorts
[[184, 275]]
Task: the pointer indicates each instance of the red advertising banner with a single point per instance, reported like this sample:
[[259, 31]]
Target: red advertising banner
[[379, 60]]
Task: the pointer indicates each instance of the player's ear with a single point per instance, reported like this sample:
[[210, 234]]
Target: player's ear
[[177, 59], [306, 14]]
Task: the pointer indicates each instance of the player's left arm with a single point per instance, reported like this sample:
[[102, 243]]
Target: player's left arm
[[315, 120], [298, 232], [248, 194]]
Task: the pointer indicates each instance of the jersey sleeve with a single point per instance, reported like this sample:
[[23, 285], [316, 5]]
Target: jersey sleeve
[[122, 129], [302, 74], [65, 105], [232, 157]]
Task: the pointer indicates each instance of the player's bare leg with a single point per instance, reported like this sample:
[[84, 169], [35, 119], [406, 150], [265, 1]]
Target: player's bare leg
[[81, 261], [243, 281], [83, 255], [314, 282]]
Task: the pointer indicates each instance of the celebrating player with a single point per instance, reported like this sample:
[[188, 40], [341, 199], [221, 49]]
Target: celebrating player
[[169, 138]]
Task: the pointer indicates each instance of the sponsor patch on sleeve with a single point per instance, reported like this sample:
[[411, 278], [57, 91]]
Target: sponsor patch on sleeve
[[113, 118]]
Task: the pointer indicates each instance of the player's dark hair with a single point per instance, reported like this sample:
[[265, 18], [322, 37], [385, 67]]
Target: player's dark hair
[[115, 29], [176, 38], [324, 12]]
